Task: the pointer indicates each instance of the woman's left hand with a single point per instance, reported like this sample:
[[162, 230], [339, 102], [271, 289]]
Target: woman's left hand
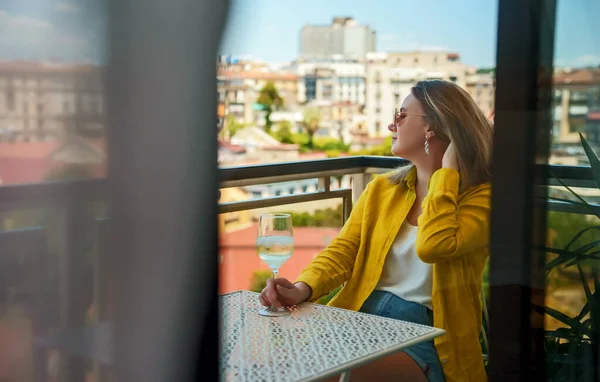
[[450, 160]]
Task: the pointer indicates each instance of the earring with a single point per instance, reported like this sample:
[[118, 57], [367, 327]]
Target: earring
[[426, 146]]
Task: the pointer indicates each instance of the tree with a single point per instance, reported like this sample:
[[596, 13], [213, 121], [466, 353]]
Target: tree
[[270, 100], [284, 132], [311, 118], [258, 282], [231, 127]]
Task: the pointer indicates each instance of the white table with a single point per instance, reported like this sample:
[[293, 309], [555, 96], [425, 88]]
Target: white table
[[312, 343]]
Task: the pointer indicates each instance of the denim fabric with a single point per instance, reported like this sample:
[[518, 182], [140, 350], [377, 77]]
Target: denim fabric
[[389, 305]]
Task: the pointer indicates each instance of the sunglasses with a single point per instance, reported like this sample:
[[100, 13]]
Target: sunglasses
[[399, 115]]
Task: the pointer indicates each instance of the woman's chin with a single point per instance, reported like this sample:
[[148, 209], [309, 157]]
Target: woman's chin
[[397, 152]]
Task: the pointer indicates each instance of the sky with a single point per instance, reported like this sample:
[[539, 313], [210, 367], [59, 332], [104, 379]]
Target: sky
[[75, 30], [269, 29]]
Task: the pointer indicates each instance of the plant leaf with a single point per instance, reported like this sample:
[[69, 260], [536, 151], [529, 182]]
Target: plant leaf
[[591, 155], [586, 287], [571, 322], [582, 257], [566, 256], [558, 333], [587, 205], [576, 237], [585, 310], [587, 247]]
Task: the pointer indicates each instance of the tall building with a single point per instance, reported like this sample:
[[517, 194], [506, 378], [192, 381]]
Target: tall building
[[343, 37], [391, 75], [42, 101]]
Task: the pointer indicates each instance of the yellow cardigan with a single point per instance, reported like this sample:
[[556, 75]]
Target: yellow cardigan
[[453, 236]]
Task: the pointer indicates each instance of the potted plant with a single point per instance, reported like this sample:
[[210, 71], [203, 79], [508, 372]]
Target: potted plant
[[570, 348]]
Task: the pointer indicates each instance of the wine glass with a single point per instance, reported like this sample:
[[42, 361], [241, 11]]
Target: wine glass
[[275, 244]]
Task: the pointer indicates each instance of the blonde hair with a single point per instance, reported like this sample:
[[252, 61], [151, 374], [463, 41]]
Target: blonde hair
[[454, 117]]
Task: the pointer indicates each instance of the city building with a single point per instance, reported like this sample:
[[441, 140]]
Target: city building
[[239, 89], [391, 75], [337, 87], [482, 88], [344, 37], [576, 104], [325, 81], [43, 101]]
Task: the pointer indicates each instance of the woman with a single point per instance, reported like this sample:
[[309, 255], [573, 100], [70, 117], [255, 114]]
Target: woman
[[416, 242]]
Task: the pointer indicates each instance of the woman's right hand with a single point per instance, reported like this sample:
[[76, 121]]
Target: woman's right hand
[[281, 292]]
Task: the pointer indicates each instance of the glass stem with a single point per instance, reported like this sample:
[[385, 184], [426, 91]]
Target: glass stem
[[275, 273]]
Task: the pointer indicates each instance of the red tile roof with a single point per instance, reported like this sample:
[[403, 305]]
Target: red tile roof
[[27, 149], [231, 147], [257, 75], [31, 162], [578, 77], [594, 116], [46, 67]]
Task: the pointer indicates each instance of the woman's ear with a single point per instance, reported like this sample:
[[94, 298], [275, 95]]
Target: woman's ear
[[429, 134]]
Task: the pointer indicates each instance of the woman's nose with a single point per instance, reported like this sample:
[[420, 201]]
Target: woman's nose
[[392, 127]]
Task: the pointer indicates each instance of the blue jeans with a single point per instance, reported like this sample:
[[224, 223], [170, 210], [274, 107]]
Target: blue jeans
[[389, 305]]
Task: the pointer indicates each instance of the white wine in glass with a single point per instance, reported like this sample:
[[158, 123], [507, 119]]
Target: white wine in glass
[[275, 245]]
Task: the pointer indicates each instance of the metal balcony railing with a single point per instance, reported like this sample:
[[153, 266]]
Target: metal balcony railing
[[69, 200]]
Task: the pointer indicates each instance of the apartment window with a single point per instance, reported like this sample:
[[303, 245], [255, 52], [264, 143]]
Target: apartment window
[[453, 78], [378, 127], [378, 110], [416, 60], [10, 98], [396, 99]]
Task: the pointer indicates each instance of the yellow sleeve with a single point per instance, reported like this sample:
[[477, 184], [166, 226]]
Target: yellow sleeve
[[450, 225], [332, 267]]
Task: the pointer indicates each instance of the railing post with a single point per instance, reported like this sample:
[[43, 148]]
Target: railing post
[[73, 289], [346, 209], [359, 182], [325, 184]]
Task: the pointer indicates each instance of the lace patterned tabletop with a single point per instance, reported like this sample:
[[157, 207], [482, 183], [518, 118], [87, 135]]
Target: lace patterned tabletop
[[312, 343]]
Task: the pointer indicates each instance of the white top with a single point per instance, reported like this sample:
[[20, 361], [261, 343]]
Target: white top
[[404, 274], [314, 342]]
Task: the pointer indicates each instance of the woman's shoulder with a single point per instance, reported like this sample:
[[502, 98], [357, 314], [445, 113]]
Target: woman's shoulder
[[482, 189], [383, 186]]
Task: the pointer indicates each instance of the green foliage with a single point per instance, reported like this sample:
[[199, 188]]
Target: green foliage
[[258, 282], [333, 153], [325, 299], [573, 242], [385, 149], [301, 139], [230, 127], [486, 70], [321, 218], [486, 282], [283, 133], [311, 120], [270, 99], [327, 144]]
